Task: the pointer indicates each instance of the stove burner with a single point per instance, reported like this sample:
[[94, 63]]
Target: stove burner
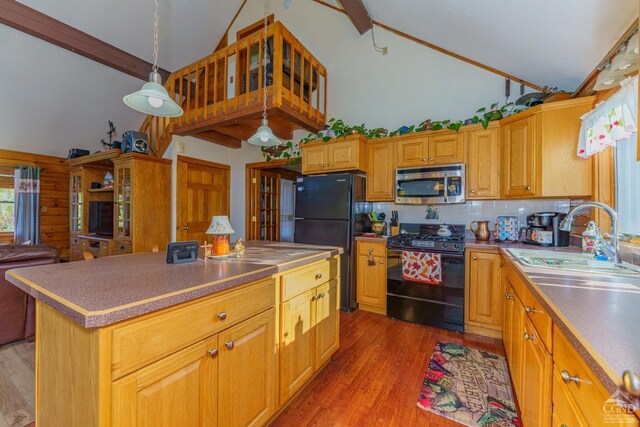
[[424, 237]]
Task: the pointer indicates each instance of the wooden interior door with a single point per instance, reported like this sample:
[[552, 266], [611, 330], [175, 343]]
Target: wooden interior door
[[202, 192]]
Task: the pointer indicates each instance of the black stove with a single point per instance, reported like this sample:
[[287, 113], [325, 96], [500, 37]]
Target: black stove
[[426, 237]]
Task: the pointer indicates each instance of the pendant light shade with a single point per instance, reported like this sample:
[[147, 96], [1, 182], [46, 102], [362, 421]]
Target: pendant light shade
[[153, 99], [605, 80], [264, 137], [620, 66], [633, 48]]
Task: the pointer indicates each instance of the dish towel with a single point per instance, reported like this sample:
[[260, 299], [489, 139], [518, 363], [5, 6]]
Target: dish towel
[[422, 267]]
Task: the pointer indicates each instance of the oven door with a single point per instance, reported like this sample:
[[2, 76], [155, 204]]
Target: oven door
[[414, 187], [434, 305]]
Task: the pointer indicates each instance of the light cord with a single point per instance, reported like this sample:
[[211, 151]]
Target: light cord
[[156, 18], [264, 63]]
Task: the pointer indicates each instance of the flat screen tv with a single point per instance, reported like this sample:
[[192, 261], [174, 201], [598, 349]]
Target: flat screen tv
[[101, 218]]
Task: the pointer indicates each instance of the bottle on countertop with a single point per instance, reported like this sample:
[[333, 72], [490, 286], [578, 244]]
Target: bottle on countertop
[[590, 238]]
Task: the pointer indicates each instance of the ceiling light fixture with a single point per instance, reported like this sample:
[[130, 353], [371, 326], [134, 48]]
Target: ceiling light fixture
[[153, 98], [264, 137]]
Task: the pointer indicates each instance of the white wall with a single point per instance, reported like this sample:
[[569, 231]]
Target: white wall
[[235, 158], [410, 84]]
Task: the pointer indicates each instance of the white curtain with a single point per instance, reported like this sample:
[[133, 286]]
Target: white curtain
[[287, 202], [627, 179], [612, 122]]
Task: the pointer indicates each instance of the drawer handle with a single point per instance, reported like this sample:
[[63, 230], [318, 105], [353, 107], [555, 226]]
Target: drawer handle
[[567, 378], [388, 193], [528, 337], [531, 309], [475, 257], [313, 298], [528, 188], [381, 262], [213, 352], [507, 295], [318, 276], [229, 345], [431, 159], [370, 250], [330, 165], [424, 159], [222, 315]]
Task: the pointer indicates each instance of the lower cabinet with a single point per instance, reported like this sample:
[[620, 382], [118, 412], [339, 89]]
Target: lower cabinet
[[227, 380], [536, 379], [483, 293], [371, 280], [309, 335]]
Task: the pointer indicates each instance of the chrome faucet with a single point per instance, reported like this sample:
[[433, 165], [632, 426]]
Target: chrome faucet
[[613, 247]]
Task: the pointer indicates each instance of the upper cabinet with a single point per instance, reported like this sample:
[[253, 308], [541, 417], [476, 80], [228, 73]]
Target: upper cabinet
[[539, 152], [337, 155], [438, 148], [483, 162], [380, 170]]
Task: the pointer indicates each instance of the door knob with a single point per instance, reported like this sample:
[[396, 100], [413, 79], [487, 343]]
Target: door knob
[[229, 344], [213, 352]]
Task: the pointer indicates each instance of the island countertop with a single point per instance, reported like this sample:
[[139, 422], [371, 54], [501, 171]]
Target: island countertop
[[108, 290]]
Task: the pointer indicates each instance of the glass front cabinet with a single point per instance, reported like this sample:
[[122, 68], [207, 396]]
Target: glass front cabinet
[[76, 205], [123, 200]]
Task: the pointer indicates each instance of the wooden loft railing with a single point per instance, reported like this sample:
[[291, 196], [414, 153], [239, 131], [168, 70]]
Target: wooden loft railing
[[222, 93]]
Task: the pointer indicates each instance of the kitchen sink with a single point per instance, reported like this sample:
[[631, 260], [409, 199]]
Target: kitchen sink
[[570, 262]]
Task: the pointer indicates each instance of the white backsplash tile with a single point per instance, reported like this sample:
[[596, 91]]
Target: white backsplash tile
[[477, 210]]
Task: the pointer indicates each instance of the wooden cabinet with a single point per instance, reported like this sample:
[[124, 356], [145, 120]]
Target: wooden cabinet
[[484, 293], [536, 376], [441, 147], [340, 154], [380, 171], [310, 324], [371, 286], [539, 149], [96, 246], [483, 163]]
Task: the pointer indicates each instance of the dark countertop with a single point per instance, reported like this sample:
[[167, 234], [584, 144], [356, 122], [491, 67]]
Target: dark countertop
[[108, 290], [599, 314]]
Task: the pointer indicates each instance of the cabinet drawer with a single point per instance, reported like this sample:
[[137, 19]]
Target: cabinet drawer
[[540, 319], [565, 411], [377, 249], [587, 392], [302, 280], [123, 248], [145, 340]]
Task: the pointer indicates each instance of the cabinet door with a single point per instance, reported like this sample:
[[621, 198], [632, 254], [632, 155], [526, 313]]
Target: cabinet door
[[297, 339], [380, 171], [483, 164], [342, 155], [446, 148], [535, 398], [507, 319], [177, 391], [517, 345], [123, 199], [247, 380], [519, 158], [76, 195], [372, 281], [327, 321], [485, 290], [412, 152], [314, 159]]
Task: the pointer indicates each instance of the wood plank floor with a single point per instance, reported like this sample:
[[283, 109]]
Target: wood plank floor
[[373, 380], [376, 375]]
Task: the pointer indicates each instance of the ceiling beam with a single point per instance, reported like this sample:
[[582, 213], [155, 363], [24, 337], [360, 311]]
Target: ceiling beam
[[219, 138], [30, 21], [357, 12], [442, 50]]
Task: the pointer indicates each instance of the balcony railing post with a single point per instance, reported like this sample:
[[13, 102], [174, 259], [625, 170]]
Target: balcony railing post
[[277, 55]]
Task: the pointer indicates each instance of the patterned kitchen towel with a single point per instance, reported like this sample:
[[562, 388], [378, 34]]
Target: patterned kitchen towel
[[468, 386], [422, 267]]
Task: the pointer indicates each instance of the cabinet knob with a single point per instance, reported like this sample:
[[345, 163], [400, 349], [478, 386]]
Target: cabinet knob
[[330, 165], [528, 187], [530, 309], [318, 276], [631, 382], [501, 263], [475, 257], [313, 298], [213, 352], [431, 159], [567, 377], [507, 295], [370, 250], [229, 344], [222, 315], [527, 336], [324, 166], [472, 191], [388, 193], [381, 262], [424, 159], [185, 227]]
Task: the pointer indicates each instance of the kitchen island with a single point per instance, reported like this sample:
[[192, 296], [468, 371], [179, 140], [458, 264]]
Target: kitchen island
[[131, 340]]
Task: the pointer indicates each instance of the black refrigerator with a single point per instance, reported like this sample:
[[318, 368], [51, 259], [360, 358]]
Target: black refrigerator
[[331, 210]]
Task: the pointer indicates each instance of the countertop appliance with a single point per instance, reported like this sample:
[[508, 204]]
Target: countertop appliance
[[439, 305], [543, 229], [331, 210], [430, 185]]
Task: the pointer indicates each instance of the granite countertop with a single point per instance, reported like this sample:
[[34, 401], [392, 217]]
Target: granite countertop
[[598, 313], [108, 290]]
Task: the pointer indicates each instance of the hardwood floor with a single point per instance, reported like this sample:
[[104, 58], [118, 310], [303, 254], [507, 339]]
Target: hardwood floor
[[376, 375], [373, 379], [17, 384]]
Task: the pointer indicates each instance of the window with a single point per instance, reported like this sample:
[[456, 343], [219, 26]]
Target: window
[[6, 203], [627, 179]]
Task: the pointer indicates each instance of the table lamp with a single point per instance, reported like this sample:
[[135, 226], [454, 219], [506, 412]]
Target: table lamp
[[220, 228]]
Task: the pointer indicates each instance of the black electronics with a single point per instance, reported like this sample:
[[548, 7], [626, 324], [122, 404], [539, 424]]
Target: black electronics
[[182, 252], [95, 185], [543, 229], [101, 218], [135, 142], [74, 153]]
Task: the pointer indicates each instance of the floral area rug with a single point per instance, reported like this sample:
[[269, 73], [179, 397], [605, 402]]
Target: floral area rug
[[469, 386]]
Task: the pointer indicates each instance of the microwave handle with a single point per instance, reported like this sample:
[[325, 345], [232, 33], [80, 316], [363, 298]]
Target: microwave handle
[[446, 188]]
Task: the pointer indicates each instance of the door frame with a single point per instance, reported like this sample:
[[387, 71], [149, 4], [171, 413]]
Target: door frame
[[181, 196], [252, 170]]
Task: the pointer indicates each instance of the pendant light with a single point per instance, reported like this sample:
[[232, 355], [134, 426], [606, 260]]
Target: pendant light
[[264, 137], [633, 48], [605, 80], [153, 98]]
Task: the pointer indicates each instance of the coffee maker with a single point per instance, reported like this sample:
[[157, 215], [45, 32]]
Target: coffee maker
[[543, 229]]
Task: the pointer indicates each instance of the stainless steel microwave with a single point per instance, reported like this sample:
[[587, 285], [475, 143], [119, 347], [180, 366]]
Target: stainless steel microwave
[[430, 185]]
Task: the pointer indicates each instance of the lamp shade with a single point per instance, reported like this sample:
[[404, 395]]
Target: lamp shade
[[633, 48], [264, 137], [220, 225], [605, 80], [621, 66], [153, 99]]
